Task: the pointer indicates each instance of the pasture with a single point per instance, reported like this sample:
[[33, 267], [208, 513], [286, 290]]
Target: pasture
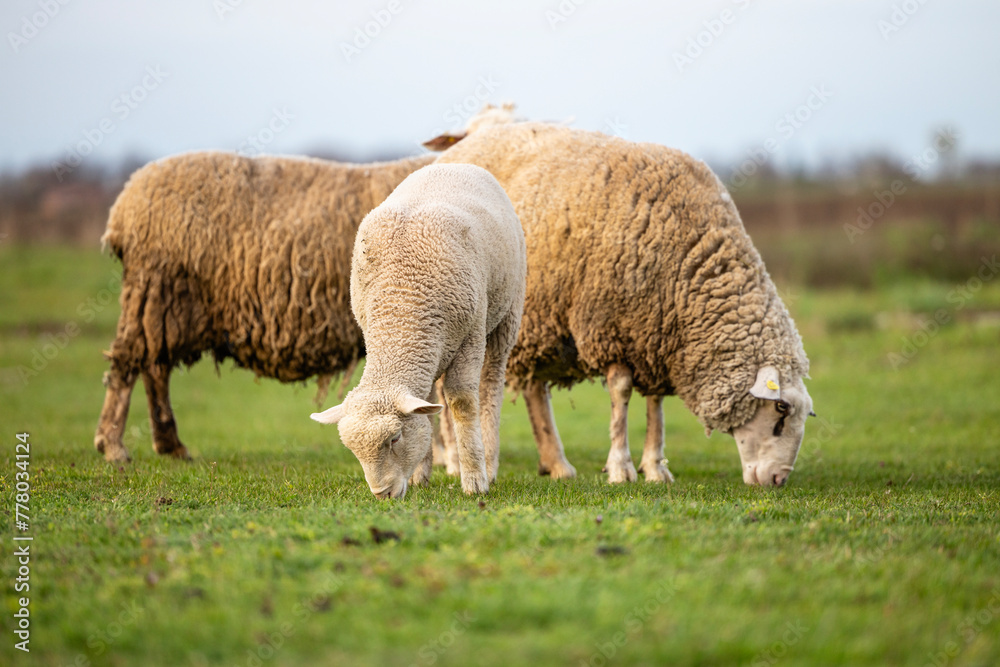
[[269, 549]]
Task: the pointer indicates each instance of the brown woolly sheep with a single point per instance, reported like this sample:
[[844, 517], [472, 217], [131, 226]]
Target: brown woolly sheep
[[247, 258], [639, 270]]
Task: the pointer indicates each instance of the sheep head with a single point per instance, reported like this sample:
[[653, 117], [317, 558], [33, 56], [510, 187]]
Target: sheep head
[[389, 433], [769, 442]]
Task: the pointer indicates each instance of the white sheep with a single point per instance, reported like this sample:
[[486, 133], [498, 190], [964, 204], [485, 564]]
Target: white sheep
[[437, 286]]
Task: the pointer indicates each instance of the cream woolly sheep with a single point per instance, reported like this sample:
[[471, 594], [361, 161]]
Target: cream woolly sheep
[[639, 270], [242, 257], [437, 285]]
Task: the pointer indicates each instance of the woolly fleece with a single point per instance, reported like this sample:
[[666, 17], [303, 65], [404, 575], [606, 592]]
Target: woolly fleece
[[636, 255], [437, 285], [247, 258]]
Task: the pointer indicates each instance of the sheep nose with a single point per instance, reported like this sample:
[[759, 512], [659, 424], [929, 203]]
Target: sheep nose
[[780, 478]]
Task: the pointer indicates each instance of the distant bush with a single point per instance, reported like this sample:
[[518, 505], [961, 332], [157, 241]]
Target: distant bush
[[818, 233]]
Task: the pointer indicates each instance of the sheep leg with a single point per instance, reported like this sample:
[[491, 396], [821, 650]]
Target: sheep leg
[[491, 381], [451, 464], [437, 445], [156, 377], [461, 381], [551, 457], [114, 414], [619, 466], [653, 465], [448, 451]]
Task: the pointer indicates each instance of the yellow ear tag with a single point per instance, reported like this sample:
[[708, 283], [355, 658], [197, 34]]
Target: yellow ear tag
[[772, 385]]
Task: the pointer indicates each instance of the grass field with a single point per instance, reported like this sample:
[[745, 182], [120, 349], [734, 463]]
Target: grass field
[[883, 549]]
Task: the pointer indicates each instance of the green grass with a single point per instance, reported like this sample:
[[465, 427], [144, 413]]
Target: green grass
[[883, 549]]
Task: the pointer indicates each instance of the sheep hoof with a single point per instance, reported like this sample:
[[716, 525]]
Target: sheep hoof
[[181, 453], [621, 473], [475, 483], [656, 472], [178, 451], [114, 452], [558, 470]]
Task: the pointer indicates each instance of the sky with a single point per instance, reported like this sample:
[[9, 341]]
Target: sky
[[788, 81]]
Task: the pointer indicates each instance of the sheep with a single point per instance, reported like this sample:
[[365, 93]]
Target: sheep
[[247, 258], [242, 257], [640, 270], [437, 286]]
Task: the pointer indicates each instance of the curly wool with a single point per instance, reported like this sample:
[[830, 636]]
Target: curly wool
[[636, 255], [441, 256], [248, 258]]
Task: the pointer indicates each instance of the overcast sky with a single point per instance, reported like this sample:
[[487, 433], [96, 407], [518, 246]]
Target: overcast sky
[[716, 78]]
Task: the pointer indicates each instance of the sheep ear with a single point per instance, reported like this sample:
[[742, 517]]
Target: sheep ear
[[444, 141], [768, 384], [411, 405], [331, 416]]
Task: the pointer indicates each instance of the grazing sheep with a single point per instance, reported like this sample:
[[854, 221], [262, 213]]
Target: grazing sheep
[[242, 257], [248, 258], [639, 270], [437, 285]]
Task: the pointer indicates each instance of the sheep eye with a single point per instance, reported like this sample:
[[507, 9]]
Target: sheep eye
[[395, 438], [781, 407]]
